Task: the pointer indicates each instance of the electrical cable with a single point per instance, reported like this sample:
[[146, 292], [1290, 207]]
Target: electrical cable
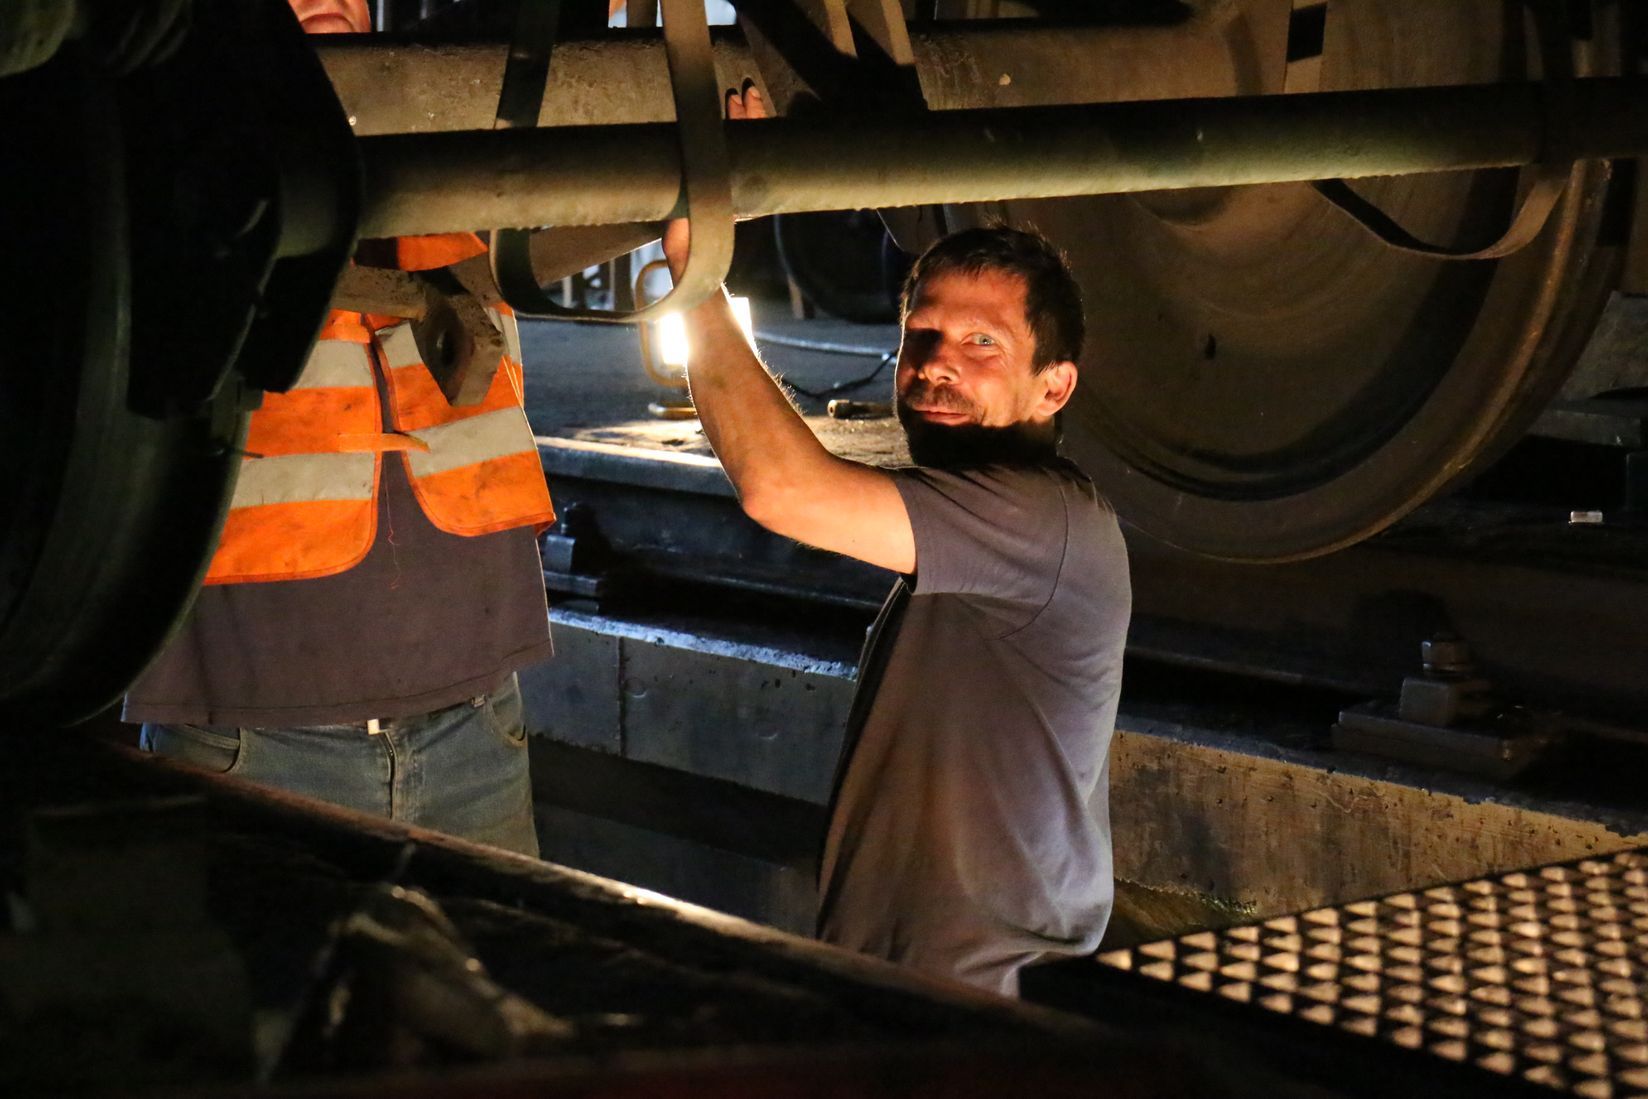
[[846, 386], [829, 347]]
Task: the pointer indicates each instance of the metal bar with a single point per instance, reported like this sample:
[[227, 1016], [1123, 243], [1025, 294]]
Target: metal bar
[[606, 174], [389, 86]]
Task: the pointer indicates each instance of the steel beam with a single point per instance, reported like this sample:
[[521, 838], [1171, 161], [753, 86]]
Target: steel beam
[[591, 175], [389, 86]]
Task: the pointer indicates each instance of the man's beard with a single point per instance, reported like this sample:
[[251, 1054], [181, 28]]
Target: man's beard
[[968, 446]]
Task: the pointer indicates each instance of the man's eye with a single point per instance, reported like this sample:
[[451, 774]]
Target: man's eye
[[919, 344], [982, 340]]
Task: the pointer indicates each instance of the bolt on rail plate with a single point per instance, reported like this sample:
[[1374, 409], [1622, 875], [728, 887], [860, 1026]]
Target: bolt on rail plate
[[1538, 975]]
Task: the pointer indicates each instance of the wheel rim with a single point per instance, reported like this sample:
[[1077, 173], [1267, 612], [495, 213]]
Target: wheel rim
[[1264, 380]]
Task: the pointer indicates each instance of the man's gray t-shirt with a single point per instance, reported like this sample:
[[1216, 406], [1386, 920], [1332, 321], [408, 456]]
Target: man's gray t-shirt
[[970, 832]]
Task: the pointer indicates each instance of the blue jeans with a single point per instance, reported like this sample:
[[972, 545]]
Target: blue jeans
[[461, 770]]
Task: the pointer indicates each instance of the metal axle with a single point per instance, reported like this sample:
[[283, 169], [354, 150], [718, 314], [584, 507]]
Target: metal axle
[[597, 175]]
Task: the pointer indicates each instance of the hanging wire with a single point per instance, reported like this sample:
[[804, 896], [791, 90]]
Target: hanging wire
[[846, 386], [829, 347]]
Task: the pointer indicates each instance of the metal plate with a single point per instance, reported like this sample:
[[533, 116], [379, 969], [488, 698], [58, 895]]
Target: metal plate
[[1263, 379], [1536, 976]]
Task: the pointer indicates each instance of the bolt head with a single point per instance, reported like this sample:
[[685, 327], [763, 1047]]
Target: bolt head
[[1445, 654]]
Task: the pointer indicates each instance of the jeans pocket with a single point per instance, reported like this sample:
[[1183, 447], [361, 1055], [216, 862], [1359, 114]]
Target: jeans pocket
[[216, 749], [505, 713]]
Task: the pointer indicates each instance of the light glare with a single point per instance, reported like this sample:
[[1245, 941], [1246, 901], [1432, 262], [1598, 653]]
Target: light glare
[[672, 332], [741, 313], [672, 340]]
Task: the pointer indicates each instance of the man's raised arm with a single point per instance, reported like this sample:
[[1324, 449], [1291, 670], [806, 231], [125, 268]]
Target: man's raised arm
[[785, 479]]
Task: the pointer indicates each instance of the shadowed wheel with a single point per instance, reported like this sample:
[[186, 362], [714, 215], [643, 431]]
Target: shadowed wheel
[[1264, 379], [170, 253], [107, 515], [843, 263]]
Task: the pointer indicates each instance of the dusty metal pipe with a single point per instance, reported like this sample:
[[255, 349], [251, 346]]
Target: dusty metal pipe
[[389, 86], [592, 175]]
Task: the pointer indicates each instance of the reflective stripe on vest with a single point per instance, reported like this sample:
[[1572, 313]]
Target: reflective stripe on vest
[[305, 503], [481, 471], [302, 478]]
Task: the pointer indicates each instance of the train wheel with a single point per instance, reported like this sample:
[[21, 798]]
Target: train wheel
[[1265, 380], [843, 263], [107, 517]]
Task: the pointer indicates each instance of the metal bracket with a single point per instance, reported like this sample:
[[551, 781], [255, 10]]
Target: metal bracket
[[883, 21], [1448, 717], [849, 55], [706, 177], [460, 345], [1550, 175], [576, 556], [1550, 181], [788, 42], [400, 987]]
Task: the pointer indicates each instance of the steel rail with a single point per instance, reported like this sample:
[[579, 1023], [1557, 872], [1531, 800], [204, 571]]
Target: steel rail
[[596, 175]]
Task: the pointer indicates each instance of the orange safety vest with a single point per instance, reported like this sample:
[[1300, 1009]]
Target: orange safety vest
[[306, 501]]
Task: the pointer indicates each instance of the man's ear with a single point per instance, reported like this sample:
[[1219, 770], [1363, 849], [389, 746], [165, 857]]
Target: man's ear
[[1057, 382]]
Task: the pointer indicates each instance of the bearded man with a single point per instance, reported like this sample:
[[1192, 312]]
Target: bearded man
[[969, 831]]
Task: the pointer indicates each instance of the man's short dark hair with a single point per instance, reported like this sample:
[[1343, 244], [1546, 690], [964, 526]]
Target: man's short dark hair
[[1052, 303]]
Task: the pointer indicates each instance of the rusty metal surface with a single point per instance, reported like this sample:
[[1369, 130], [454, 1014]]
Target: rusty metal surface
[[1553, 612], [1291, 384], [397, 86], [381, 290], [1535, 976], [648, 994], [583, 175], [280, 869]]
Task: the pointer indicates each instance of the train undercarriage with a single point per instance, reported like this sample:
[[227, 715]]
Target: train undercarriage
[[1366, 385]]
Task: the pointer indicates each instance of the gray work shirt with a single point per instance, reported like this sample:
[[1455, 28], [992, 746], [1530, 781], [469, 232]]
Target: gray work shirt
[[970, 832]]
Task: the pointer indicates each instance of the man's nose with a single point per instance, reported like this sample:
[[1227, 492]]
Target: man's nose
[[938, 364]]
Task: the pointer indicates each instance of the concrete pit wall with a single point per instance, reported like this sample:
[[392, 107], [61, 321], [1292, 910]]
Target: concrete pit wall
[[700, 767]]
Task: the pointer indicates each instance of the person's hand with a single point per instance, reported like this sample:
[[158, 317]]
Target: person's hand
[[677, 239], [332, 16], [749, 103]]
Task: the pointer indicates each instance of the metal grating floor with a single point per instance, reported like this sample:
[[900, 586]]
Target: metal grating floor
[[1538, 975]]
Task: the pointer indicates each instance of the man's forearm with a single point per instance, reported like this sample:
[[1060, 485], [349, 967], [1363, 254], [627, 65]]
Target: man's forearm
[[753, 428], [786, 480]]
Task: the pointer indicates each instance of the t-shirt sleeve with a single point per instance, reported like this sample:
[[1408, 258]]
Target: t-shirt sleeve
[[997, 535]]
